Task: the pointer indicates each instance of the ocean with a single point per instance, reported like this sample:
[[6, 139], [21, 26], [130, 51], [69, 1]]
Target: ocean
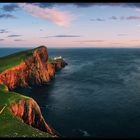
[[97, 95]]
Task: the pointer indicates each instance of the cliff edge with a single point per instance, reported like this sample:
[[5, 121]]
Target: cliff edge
[[34, 69], [27, 68]]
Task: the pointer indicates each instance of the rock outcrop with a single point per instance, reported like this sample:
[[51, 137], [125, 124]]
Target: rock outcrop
[[35, 70]]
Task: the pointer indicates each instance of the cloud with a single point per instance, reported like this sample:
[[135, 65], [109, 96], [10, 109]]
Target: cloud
[[133, 5], [3, 31], [118, 18], [6, 16], [14, 35], [86, 5], [88, 41], [113, 18], [10, 7], [48, 5], [133, 17], [97, 19], [125, 18], [53, 15], [122, 18], [51, 5], [1, 39], [19, 40], [64, 36]]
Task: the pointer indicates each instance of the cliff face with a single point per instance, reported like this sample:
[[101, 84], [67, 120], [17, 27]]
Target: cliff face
[[33, 71], [29, 112]]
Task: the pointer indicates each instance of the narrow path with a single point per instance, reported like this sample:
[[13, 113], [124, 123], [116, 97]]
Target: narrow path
[[3, 109]]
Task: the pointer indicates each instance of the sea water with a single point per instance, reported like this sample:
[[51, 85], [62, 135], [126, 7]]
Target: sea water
[[97, 95]]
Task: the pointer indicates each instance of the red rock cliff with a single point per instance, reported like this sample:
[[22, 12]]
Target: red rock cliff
[[29, 112], [35, 70]]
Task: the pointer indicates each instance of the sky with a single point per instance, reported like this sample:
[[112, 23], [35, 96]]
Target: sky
[[66, 25]]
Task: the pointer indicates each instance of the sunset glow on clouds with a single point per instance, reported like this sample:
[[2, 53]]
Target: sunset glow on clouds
[[69, 25], [55, 16]]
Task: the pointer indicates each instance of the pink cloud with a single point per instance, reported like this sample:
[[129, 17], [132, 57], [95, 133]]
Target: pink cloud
[[56, 16], [130, 18]]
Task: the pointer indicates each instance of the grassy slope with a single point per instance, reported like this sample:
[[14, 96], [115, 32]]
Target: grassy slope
[[14, 59], [10, 125]]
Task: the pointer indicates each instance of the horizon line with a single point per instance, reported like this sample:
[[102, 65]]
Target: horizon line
[[72, 47]]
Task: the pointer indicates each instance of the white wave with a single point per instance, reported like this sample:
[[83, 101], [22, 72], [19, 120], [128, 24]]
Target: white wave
[[85, 133]]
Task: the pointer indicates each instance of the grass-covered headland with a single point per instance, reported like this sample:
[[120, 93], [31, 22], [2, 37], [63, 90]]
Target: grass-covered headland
[[10, 125]]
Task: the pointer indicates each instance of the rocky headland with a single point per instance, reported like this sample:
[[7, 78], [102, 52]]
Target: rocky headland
[[33, 69]]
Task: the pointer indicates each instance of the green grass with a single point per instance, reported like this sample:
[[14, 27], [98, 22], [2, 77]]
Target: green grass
[[15, 59], [10, 125]]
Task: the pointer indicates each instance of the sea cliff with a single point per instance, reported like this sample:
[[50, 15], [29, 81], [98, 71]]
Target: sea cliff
[[34, 69]]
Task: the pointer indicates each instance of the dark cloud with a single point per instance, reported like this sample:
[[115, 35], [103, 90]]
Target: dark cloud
[[118, 18], [1, 39], [6, 16], [13, 7], [19, 40], [46, 5], [85, 5], [98, 4], [113, 18], [64, 36], [14, 35], [136, 5], [78, 5], [10, 7], [3, 31], [98, 19], [125, 18]]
